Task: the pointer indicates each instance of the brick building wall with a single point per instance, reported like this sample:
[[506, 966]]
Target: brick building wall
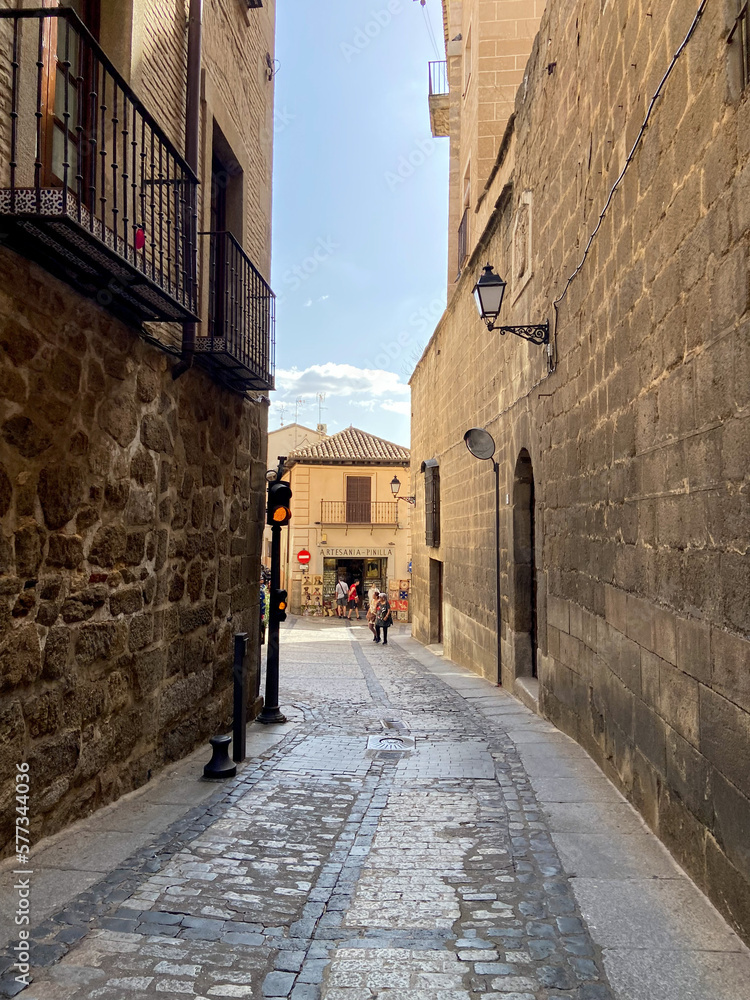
[[637, 441], [131, 502]]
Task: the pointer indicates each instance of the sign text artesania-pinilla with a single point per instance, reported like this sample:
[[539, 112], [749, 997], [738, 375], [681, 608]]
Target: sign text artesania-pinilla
[[22, 884]]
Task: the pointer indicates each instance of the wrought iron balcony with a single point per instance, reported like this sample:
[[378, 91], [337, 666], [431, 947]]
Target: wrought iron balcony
[[358, 512], [90, 185], [240, 341], [439, 99]]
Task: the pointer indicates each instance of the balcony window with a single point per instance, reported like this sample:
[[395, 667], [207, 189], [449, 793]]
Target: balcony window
[[358, 496], [463, 240], [239, 347], [358, 512], [237, 342], [93, 188]]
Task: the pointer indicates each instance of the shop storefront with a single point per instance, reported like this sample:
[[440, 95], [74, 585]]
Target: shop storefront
[[370, 569]]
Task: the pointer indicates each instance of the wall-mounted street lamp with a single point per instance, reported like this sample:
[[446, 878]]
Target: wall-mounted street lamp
[[488, 293], [482, 445], [395, 487]]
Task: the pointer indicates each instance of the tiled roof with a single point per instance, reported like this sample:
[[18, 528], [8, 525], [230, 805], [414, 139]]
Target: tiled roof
[[352, 445]]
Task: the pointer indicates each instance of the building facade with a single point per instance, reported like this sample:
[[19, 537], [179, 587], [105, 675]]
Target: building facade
[[346, 517], [282, 442], [615, 208], [136, 345]]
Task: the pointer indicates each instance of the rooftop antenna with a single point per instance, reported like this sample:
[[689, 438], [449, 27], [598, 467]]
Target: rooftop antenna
[[282, 408], [299, 401], [321, 400]]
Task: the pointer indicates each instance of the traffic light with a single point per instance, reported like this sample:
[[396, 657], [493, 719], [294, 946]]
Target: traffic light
[[278, 510], [278, 605]]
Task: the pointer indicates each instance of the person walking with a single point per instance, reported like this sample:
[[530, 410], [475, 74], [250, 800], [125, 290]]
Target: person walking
[[342, 592], [353, 600], [383, 619], [372, 607]]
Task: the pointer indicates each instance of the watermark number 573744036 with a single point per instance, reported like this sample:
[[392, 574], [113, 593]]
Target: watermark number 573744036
[[23, 882]]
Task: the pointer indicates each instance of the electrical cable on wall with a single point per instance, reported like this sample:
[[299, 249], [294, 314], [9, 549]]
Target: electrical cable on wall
[[430, 31], [629, 160]]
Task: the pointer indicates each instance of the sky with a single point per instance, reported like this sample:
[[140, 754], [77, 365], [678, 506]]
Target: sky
[[360, 210]]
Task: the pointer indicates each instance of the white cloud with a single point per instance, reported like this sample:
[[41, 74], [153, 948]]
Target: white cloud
[[341, 380], [372, 399], [308, 303], [397, 406]]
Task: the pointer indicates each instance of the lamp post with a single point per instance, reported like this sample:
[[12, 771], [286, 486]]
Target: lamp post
[[481, 444], [488, 294], [395, 487]]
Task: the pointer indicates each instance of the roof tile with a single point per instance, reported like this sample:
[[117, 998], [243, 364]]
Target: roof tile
[[352, 445]]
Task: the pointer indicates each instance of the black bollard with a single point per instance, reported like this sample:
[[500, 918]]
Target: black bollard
[[240, 697], [220, 766]]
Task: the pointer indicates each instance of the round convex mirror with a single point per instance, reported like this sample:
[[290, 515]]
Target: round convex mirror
[[480, 443]]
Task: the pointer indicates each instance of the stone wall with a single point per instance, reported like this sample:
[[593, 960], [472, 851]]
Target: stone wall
[[130, 526], [639, 440]]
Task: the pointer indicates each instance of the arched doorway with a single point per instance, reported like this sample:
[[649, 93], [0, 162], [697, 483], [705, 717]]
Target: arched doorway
[[524, 569]]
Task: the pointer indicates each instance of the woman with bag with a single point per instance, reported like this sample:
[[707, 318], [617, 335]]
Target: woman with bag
[[383, 619]]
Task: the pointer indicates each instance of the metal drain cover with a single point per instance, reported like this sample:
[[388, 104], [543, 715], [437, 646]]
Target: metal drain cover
[[391, 741]]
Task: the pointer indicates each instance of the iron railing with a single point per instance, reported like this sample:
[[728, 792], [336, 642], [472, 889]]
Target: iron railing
[[240, 341], [741, 31], [92, 188], [438, 73], [358, 512], [463, 239]]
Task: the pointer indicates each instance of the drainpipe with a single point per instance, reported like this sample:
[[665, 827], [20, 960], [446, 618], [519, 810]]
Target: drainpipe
[[192, 133]]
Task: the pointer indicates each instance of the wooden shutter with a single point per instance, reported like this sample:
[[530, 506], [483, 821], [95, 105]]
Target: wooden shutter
[[358, 498], [431, 504]]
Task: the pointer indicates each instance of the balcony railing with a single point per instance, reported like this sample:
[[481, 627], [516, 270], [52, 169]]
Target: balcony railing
[[463, 240], [438, 78], [358, 512], [240, 340], [439, 98], [90, 185]]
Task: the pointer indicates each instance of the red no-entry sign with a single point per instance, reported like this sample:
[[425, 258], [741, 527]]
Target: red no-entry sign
[[303, 556]]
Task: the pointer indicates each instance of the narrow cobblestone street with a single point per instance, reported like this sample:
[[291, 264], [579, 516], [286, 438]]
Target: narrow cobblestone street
[[412, 832]]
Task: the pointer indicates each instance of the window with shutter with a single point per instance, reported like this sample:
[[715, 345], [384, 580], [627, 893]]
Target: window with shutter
[[431, 503], [358, 499]]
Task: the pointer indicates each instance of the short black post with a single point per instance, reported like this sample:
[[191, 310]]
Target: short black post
[[240, 697], [220, 766]]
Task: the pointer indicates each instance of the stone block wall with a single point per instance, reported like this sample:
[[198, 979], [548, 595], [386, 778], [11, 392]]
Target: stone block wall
[[485, 66], [639, 440], [130, 529]]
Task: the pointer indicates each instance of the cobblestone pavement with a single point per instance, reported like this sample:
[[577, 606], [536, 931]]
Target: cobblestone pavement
[[391, 845]]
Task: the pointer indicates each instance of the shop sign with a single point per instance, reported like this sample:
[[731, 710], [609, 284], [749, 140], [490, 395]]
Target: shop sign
[[358, 553]]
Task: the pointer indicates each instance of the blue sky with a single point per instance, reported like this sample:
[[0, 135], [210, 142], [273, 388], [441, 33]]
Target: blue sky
[[360, 210]]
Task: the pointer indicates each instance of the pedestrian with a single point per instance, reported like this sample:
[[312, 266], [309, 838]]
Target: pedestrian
[[341, 594], [353, 600], [372, 607], [383, 619]]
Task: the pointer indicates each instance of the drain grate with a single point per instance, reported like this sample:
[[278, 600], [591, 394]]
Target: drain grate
[[394, 740]]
